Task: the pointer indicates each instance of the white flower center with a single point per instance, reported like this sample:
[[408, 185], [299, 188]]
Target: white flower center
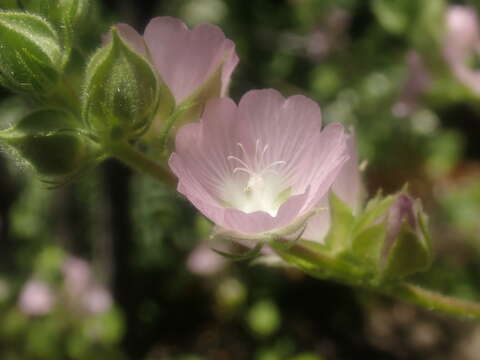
[[263, 189]]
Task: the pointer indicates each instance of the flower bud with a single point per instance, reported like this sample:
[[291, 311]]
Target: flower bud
[[121, 92], [30, 53], [66, 15], [407, 247], [49, 140]]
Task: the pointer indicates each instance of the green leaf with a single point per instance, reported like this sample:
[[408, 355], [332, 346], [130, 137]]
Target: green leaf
[[120, 93], [30, 56]]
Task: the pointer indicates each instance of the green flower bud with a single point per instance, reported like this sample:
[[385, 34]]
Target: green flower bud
[[30, 53], [66, 15], [120, 93], [407, 248], [390, 238], [50, 141]]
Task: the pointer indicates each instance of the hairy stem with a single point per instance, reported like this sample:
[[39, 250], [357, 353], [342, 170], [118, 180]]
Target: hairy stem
[[323, 266], [434, 301], [138, 161]]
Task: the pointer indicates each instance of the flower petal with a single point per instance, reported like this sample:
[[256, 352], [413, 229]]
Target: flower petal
[[133, 38], [287, 126], [319, 225], [202, 149], [348, 184], [260, 221], [185, 58]]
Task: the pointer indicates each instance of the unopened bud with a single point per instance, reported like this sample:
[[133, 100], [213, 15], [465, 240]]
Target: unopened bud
[[30, 53], [50, 141], [407, 247], [120, 93]]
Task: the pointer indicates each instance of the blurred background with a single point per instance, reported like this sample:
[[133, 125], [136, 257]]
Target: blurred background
[[115, 266]]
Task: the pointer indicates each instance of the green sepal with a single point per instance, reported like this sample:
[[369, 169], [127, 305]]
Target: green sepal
[[367, 247], [120, 93], [30, 56], [248, 255], [338, 238], [51, 142], [375, 209], [411, 251]]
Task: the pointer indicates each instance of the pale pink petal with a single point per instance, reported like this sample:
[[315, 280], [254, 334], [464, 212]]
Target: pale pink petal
[[322, 164], [185, 58], [231, 62], [348, 183], [319, 225], [203, 149], [287, 126], [133, 38]]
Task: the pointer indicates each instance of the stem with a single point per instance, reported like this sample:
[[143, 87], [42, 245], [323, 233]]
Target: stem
[[434, 301], [335, 270], [138, 161]]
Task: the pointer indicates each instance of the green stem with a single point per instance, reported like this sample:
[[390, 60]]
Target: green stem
[[434, 301], [138, 161], [329, 267]]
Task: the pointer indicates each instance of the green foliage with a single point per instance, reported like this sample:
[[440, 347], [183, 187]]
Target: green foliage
[[386, 242]]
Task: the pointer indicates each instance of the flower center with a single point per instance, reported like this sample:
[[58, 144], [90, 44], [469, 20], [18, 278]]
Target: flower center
[[262, 189]]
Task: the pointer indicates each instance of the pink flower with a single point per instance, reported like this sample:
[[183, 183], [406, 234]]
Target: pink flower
[[462, 40], [96, 300], [77, 276], [187, 60], [203, 261], [260, 168], [417, 81], [36, 298]]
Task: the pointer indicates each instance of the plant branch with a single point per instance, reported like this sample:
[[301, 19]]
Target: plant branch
[[434, 301], [138, 161]]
